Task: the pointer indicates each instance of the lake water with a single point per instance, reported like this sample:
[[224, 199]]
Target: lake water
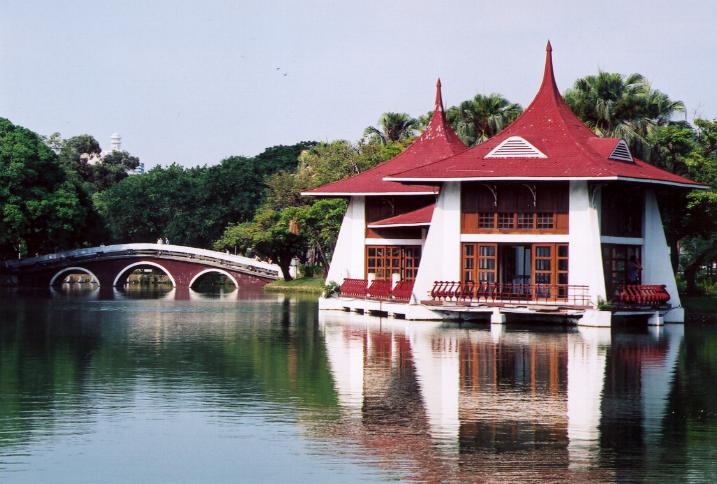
[[167, 387]]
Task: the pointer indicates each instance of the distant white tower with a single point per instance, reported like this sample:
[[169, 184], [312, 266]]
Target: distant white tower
[[116, 142]]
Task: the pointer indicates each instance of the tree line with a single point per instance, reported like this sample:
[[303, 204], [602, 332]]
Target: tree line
[[52, 198]]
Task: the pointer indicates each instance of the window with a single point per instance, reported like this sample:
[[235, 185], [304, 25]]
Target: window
[[621, 210], [486, 220], [526, 220], [500, 208], [544, 220], [506, 220], [384, 261], [617, 261]]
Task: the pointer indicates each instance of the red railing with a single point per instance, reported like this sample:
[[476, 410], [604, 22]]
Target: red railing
[[651, 295], [492, 292], [378, 289]]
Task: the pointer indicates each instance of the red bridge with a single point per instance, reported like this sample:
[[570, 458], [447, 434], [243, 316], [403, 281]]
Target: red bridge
[[110, 266]]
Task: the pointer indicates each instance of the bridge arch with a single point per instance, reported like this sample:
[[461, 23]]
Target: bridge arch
[[214, 270], [65, 270], [145, 263]]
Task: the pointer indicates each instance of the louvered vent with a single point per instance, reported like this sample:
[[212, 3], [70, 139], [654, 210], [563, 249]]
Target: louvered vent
[[621, 152], [515, 147]]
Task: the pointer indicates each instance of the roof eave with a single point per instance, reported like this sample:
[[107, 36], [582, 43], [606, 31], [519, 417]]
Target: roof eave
[[364, 194], [695, 186], [388, 226]]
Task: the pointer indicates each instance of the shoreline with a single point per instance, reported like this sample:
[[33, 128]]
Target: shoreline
[[305, 285]]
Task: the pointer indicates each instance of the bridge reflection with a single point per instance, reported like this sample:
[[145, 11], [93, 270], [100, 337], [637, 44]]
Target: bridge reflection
[[513, 405], [166, 292]]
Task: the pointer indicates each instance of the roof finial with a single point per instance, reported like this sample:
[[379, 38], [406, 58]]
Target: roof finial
[[548, 75], [439, 96]]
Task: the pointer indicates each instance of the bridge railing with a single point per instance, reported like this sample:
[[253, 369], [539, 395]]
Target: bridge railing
[[148, 249]]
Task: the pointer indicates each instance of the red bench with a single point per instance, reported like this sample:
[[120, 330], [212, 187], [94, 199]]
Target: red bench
[[354, 287], [643, 295], [402, 291], [380, 289]]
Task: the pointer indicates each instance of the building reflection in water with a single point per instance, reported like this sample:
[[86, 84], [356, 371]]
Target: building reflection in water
[[435, 401]]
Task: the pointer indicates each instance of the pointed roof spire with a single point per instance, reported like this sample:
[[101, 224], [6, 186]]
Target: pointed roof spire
[[439, 97], [548, 74]]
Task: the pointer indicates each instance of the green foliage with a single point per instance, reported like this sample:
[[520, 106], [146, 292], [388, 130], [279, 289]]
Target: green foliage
[[191, 206], [317, 223], [482, 117], [392, 127], [618, 106], [331, 289], [113, 168], [41, 208], [269, 236], [71, 153]]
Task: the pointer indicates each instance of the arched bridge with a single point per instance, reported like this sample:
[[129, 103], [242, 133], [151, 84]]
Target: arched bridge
[[110, 266]]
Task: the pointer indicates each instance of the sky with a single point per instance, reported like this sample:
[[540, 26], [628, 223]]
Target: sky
[[193, 82]]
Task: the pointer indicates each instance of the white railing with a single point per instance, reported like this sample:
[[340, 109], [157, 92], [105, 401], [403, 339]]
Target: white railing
[[123, 249]]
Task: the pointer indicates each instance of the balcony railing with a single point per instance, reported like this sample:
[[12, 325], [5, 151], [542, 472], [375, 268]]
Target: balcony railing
[[494, 292]]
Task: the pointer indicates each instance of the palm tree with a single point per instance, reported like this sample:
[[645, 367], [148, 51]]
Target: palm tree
[[392, 127], [482, 117], [620, 106]]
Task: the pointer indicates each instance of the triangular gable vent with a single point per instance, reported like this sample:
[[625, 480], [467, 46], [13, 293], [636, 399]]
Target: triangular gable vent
[[621, 152], [515, 147]]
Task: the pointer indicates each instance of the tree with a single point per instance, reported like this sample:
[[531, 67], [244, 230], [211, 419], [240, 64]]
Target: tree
[[618, 106], [41, 208], [269, 236], [71, 151], [320, 223], [392, 127], [690, 218], [482, 117], [316, 222], [191, 206], [114, 167]]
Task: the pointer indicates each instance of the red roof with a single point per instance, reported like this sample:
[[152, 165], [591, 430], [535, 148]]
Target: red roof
[[438, 141], [421, 216], [567, 149]]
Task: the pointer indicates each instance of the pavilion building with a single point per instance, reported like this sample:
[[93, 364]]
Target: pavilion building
[[543, 218]]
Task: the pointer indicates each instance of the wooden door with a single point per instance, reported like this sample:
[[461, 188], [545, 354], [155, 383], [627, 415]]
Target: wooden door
[[550, 271], [543, 271], [479, 262]]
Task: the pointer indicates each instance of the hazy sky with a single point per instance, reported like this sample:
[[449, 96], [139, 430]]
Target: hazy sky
[[196, 81]]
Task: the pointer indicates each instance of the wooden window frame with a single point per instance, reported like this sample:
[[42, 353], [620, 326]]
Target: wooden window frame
[[401, 259]]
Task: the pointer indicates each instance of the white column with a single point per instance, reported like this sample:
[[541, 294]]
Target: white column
[[441, 257], [656, 265], [585, 253], [349, 253]]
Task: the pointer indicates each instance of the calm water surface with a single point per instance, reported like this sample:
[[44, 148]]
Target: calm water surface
[[168, 387]]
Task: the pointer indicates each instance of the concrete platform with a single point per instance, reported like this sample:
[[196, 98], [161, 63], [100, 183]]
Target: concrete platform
[[499, 313]]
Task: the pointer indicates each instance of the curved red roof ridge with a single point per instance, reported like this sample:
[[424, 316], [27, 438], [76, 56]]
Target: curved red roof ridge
[[548, 123], [438, 141]]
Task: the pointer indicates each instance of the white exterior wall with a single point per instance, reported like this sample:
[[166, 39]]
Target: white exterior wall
[[585, 253], [349, 253], [441, 257], [656, 265]]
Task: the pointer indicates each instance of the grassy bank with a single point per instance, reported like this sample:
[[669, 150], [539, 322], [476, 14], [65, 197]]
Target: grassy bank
[[309, 285]]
